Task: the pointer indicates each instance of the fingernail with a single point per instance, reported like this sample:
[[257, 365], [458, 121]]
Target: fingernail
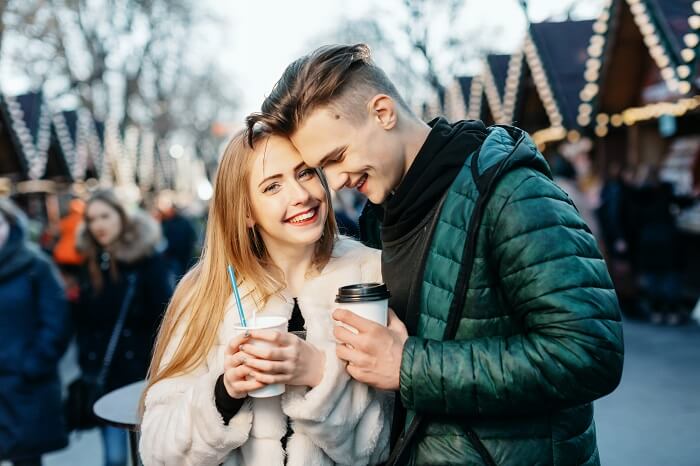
[[246, 333], [241, 348]]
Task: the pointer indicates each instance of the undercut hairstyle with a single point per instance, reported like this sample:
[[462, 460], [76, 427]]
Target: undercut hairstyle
[[341, 77]]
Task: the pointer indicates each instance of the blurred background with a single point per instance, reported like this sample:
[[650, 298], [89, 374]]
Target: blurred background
[[139, 97]]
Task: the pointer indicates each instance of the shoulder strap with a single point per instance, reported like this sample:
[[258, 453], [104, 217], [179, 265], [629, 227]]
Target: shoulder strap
[[117, 330], [485, 184]]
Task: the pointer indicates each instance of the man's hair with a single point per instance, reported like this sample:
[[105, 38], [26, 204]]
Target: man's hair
[[343, 77]]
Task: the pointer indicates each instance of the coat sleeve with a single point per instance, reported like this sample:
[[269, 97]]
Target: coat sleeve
[[555, 283], [181, 425], [347, 419], [52, 331]]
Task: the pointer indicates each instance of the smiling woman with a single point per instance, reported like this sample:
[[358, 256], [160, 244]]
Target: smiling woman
[[271, 219]]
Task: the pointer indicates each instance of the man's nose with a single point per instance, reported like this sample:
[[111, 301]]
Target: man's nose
[[336, 180]]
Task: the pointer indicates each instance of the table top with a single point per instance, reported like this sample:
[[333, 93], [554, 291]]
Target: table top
[[120, 407]]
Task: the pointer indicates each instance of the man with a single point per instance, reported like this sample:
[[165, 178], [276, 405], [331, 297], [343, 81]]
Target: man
[[471, 226]]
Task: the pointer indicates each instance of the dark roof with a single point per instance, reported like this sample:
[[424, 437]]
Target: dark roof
[[562, 48], [31, 105], [465, 85], [498, 65], [71, 118], [671, 17]]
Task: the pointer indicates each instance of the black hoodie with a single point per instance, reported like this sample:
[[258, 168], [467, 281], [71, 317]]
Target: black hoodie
[[409, 214]]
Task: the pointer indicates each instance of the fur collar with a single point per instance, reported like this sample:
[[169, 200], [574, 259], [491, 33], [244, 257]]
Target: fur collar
[[140, 240]]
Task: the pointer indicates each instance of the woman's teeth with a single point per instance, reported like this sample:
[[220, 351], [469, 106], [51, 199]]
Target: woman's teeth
[[303, 217]]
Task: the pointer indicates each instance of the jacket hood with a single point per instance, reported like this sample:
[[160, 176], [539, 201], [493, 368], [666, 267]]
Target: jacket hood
[[514, 147], [141, 239]]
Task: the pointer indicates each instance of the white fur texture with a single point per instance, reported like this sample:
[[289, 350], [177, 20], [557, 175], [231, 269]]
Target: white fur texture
[[340, 421]]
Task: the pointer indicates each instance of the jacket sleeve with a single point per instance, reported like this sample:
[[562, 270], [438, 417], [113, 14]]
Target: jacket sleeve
[[554, 281], [348, 420], [181, 425], [52, 331]]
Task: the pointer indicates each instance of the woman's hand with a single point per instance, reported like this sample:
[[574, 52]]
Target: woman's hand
[[291, 361], [237, 375]]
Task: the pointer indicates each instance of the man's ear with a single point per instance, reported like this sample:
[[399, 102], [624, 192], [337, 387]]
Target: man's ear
[[384, 111]]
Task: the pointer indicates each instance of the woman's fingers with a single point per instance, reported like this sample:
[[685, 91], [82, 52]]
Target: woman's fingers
[[269, 379], [235, 343], [267, 353], [270, 367], [247, 386]]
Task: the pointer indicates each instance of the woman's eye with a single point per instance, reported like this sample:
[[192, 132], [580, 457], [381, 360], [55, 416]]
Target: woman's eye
[[271, 188], [307, 174]]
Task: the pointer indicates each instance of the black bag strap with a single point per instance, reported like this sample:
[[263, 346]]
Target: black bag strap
[[117, 331], [485, 184]]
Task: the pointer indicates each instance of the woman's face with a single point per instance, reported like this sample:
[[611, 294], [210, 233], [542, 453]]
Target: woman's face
[[104, 222], [289, 205]]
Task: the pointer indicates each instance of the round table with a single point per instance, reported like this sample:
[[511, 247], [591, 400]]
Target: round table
[[120, 408]]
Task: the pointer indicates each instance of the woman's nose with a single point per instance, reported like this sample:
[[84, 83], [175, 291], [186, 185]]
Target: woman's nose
[[299, 193]]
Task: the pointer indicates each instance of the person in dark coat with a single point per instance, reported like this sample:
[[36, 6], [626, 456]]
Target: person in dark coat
[[120, 249], [658, 255], [179, 234], [34, 331]]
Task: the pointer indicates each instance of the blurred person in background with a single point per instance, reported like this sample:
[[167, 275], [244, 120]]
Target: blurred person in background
[[122, 265], [34, 331], [65, 254], [657, 253], [179, 234]]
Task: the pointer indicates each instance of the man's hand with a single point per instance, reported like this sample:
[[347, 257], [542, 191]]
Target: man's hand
[[374, 354]]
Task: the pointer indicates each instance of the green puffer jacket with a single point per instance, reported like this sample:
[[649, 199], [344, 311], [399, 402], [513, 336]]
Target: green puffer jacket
[[540, 335]]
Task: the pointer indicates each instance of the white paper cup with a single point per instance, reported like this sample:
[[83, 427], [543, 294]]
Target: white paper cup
[[368, 300], [278, 324]]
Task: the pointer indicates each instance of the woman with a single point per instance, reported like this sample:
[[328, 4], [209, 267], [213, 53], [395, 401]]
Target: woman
[[272, 220], [123, 268], [34, 331]]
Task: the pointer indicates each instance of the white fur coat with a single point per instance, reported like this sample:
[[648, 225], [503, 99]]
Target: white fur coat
[[341, 421]]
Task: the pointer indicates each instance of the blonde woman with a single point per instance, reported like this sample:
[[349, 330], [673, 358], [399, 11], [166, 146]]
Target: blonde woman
[[272, 220]]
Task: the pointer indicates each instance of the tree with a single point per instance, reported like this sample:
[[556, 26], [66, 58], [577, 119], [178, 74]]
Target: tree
[[134, 60], [420, 43]]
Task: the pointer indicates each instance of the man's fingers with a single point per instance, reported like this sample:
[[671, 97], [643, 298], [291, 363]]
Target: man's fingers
[[345, 336], [352, 356], [353, 320], [357, 373]]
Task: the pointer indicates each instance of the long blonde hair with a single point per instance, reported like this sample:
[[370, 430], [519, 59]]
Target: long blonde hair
[[200, 299]]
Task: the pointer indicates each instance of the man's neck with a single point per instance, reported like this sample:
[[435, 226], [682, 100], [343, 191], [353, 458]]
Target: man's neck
[[415, 133]]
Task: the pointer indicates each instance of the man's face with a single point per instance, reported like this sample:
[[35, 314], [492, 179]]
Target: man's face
[[362, 155]]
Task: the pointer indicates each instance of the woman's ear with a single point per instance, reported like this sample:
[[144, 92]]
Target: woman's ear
[[249, 221]]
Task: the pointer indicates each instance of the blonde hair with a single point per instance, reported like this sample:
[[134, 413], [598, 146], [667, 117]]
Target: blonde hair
[[199, 302]]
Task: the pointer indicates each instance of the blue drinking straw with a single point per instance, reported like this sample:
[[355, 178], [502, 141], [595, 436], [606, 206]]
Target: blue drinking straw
[[232, 276]]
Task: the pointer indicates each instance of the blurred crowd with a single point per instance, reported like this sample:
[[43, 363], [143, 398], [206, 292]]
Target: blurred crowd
[[635, 214]]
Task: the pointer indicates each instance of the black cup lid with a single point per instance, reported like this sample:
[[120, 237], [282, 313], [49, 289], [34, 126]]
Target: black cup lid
[[362, 292]]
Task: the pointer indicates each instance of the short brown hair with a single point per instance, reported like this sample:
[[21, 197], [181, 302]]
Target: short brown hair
[[340, 75]]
